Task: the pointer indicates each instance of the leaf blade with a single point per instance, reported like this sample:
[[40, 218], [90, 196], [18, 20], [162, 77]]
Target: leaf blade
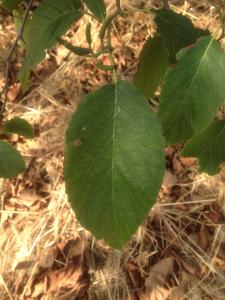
[[208, 147], [153, 63], [193, 91], [97, 7], [19, 126], [113, 158], [50, 20], [11, 4], [11, 161], [177, 31]]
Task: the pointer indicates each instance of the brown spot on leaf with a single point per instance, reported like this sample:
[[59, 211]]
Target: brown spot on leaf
[[77, 142]]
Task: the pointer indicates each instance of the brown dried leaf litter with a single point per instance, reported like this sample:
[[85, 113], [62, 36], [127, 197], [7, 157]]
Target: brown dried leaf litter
[[178, 253]]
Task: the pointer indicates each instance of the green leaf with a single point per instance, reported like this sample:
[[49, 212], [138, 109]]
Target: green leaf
[[51, 19], [153, 63], [208, 147], [11, 162], [19, 126], [114, 161], [177, 31], [11, 4], [97, 7], [18, 17], [193, 91]]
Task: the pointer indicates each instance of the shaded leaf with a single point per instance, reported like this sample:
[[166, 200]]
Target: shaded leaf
[[177, 31], [17, 16], [153, 63], [193, 91], [97, 7], [19, 126], [208, 147], [51, 19], [114, 161], [11, 4], [11, 162]]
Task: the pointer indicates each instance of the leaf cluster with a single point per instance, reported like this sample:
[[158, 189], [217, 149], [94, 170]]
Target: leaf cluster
[[114, 156]]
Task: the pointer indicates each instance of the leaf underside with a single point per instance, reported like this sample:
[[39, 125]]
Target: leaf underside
[[114, 162], [51, 19], [193, 91], [11, 162], [208, 147]]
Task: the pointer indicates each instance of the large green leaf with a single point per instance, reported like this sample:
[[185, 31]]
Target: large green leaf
[[114, 161], [153, 63], [51, 19], [19, 126], [177, 31], [193, 91], [11, 162], [97, 7], [11, 4], [208, 147]]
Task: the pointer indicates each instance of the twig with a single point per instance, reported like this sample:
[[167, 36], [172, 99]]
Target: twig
[[76, 50], [10, 54], [166, 4]]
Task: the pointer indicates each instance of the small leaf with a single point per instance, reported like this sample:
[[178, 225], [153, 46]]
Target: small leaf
[[51, 19], [208, 147], [177, 31], [114, 161], [19, 126], [152, 66], [11, 161], [11, 4], [193, 91], [97, 7]]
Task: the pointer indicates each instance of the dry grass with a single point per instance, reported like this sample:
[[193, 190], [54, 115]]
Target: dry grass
[[45, 254]]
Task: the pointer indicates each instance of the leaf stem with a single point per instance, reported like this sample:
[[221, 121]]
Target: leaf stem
[[74, 49], [166, 4], [111, 53], [90, 15]]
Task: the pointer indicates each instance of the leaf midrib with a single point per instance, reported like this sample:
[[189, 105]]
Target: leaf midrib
[[188, 91], [113, 158]]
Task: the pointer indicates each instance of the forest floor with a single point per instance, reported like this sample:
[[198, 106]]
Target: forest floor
[[179, 251]]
